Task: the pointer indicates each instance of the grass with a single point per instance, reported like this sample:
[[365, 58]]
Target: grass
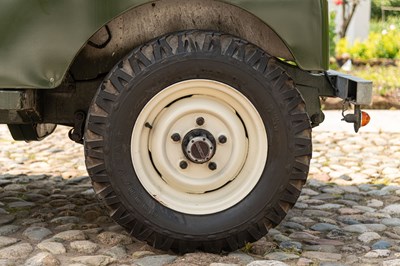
[[379, 26], [386, 79], [247, 247]]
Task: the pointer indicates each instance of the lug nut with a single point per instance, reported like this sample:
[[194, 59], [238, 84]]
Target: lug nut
[[176, 137], [200, 121], [222, 139], [212, 166], [183, 165]]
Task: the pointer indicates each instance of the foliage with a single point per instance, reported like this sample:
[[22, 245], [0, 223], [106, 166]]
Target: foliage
[[332, 33], [376, 12], [385, 78], [379, 26], [378, 45]]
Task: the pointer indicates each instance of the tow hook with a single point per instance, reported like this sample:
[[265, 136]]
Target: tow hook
[[359, 118], [76, 133]]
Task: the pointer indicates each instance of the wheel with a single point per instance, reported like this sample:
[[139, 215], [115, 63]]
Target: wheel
[[198, 140]]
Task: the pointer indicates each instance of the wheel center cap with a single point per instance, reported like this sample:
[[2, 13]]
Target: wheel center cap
[[199, 146]]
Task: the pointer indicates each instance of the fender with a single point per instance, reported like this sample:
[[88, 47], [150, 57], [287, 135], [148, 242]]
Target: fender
[[41, 39]]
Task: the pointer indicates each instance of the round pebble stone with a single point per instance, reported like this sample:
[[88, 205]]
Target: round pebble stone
[[8, 229], [302, 236], [21, 250], [156, 260], [379, 253], [267, 263], [70, 235], [381, 244], [52, 247], [293, 225], [338, 234], [281, 256], [42, 258], [112, 238], [7, 241], [391, 221], [367, 237], [291, 246], [119, 252], [36, 233], [94, 260], [374, 203], [392, 209], [281, 238], [84, 246], [324, 227], [322, 256], [6, 218]]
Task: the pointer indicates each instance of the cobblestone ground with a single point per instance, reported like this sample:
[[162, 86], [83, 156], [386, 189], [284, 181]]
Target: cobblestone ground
[[348, 214]]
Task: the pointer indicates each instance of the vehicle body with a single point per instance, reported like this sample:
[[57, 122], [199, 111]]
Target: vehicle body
[[68, 62]]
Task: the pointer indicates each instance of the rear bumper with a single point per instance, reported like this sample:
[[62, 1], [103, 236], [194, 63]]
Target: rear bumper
[[356, 90]]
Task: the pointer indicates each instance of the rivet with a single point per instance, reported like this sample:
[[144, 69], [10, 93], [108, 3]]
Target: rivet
[[176, 137], [200, 121], [183, 165], [212, 166], [222, 139]]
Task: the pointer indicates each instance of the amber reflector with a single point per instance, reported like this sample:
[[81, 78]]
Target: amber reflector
[[365, 119]]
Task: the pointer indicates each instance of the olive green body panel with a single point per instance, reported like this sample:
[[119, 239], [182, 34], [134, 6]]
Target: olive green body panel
[[302, 24], [40, 38]]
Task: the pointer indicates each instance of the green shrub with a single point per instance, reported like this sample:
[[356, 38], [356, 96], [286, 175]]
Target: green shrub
[[389, 45], [358, 50], [385, 44], [332, 33]]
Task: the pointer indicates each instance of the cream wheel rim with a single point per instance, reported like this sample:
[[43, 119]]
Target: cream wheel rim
[[223, 130]]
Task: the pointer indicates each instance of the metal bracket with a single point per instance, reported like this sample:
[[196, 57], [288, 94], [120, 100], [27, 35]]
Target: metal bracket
[[76, 133], [358, 91], [355, 118]]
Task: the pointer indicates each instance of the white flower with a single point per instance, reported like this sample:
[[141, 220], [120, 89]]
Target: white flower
[[392, 27], [384, 32]]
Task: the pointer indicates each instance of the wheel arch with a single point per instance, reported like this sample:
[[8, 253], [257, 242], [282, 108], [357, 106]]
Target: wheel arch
[[143, 23]]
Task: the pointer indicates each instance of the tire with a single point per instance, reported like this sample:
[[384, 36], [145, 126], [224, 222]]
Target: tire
[[207, 92]]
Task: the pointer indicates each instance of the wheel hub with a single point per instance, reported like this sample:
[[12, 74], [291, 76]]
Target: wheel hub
[[199, 146], [205, 148]]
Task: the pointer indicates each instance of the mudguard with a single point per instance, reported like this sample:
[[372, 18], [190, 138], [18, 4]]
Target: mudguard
[[39, 39]]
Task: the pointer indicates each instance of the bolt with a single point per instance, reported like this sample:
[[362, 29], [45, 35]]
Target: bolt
[[176, 137], [183, 165], [79, 115], [222, 139], [200, 121], [212, 166]]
